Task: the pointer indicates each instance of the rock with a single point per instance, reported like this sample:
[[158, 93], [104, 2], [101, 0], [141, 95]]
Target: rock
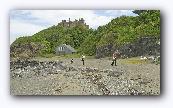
[[32, 77], [25, 50], [57, 71], [96, 70], [114, 73], [142, 46], [106, 71]]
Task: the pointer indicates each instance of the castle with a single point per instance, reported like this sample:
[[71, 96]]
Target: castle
[[68, 24]]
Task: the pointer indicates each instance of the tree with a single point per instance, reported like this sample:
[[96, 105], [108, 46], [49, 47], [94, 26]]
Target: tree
[[119, 30], [47, 48], [139, 11]]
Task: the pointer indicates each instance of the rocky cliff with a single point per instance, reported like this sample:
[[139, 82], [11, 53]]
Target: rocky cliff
[[142, 46], [25, 50]]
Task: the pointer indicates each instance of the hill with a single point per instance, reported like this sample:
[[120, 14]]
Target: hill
[[119, 32]]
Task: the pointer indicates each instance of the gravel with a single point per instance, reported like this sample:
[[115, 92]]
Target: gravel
[[97, 77]]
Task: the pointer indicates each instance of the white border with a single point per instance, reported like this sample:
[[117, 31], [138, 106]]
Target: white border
[[85, 102]]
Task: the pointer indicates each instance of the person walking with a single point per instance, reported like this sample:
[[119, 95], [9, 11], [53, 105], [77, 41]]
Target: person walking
[[83, 59], [114, 59]]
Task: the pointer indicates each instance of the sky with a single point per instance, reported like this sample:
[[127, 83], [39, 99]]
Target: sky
[[29, 22]]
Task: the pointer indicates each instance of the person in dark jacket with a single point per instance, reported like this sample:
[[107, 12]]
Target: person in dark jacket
[[83, 59], [114, 59]]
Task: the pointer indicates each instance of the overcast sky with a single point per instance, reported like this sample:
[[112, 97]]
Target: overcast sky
[[29, 22]]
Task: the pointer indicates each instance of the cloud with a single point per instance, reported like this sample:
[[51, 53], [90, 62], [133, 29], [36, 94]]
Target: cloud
[[53, 17], [29, 22], [119, 12], [20, 28]]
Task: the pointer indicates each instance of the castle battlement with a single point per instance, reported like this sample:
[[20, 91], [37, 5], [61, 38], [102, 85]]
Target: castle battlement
[[68, 24]]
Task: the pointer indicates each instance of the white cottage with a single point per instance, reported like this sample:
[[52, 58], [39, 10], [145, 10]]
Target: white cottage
[[64, 49]]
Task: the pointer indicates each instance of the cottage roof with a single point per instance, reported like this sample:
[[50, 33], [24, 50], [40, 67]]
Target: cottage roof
[[71, 48]]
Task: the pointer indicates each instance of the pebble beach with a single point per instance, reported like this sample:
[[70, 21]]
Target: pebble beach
[[57, 76]]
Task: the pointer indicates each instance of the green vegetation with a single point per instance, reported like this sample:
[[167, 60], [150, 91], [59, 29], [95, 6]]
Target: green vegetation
[[46, 55], [157, 62], [119, 31], [131, 61], [75, 55]]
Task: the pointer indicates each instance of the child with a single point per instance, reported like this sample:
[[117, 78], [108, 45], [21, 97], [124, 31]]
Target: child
[[71, 61], [112, 62]]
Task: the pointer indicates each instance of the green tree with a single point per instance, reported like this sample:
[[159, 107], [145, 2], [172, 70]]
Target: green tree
[[139, 11], [47, 48]]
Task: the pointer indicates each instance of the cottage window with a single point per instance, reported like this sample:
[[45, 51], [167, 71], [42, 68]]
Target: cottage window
[[61, 48]]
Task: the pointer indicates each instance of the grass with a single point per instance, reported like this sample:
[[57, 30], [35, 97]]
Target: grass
[[45, 56], [68, 56], [110, 58], [157, 62], [133, 61], [89, 57], [75, 55]]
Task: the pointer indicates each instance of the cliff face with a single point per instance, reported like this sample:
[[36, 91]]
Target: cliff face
[[142, 46], [25, 51]]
